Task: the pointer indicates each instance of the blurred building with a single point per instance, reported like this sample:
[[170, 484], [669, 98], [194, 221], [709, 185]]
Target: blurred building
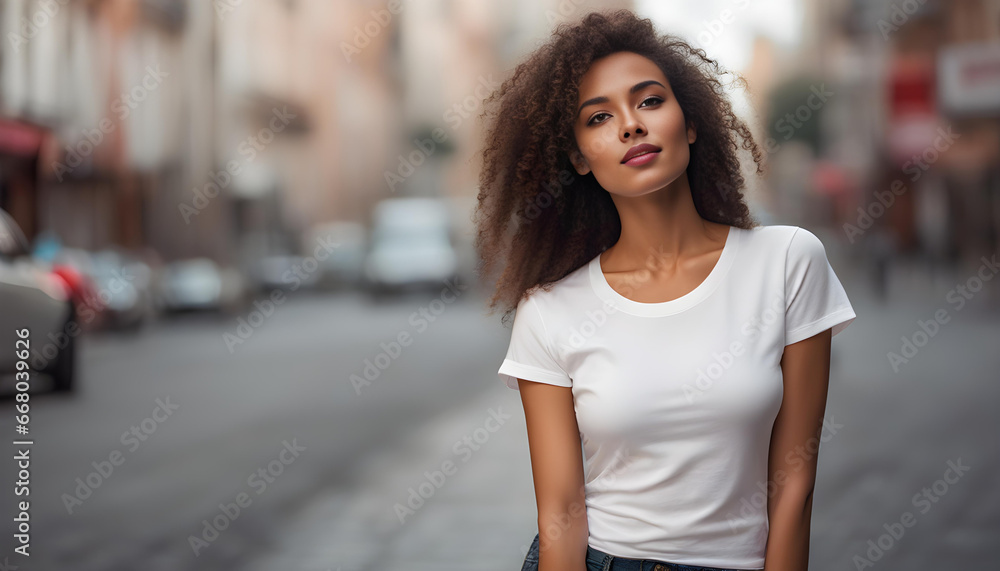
[[451, 56], [306, 127], [917, 103], [123, 119], [114, 83], [227, 129], [451, 60]]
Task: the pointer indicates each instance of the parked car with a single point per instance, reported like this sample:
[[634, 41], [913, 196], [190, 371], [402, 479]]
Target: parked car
[[33, 298], [343, 265], [111, 288], [82, 289], [199, 284], [282, 271], [410, 246], [124, 285], [76, 267]]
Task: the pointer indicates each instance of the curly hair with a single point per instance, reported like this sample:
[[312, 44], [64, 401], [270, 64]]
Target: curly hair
[[534, 211]]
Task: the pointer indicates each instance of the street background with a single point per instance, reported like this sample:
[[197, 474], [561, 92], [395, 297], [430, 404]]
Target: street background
[[228, 194]]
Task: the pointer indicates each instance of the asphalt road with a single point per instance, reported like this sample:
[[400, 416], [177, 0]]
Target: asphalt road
[[892, 491], [275, 417]]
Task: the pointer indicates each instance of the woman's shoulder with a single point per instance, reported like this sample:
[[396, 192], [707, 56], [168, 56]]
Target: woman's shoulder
[[787, 245], [564, 292], [774, 230], [772, 236]]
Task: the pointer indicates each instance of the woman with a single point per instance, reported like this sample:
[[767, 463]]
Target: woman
[[672, 356]]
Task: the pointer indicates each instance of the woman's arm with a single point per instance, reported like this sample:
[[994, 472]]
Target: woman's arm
[[805, 368], [557, 471]]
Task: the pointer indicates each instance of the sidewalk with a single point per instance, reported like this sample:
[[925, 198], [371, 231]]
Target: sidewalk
[[481, 517]]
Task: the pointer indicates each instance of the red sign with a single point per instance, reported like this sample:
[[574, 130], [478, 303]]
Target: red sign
[[20, 139], [912, 87]]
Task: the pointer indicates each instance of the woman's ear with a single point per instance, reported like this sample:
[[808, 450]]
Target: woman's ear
[[579, 162], [692, 133]]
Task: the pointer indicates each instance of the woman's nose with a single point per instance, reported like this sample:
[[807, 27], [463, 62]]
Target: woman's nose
[[631, 126], [632, 129]]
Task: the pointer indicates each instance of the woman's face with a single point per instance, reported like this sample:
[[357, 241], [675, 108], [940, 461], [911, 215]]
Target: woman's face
[[626, 101]]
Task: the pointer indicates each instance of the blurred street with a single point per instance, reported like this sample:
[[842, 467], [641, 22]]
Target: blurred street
[[233, 413], [239, 236], [335, 506]]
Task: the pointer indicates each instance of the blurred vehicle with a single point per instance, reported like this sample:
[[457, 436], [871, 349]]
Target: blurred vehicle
[[464, 235], [75, 267], [199, 284], [410, 246], [124, 286], [112, 286], [344, 264], [282, 271], [81, 287], [35, 299]]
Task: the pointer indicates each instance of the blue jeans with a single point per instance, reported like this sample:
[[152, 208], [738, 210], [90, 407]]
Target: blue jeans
[[598, 560]]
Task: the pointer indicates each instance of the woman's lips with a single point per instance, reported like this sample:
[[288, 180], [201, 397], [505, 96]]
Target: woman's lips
[[641, 159], [637, 150]]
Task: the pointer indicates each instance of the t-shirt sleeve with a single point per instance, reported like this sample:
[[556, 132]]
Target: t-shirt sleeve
[[815, 299], [530, 355]]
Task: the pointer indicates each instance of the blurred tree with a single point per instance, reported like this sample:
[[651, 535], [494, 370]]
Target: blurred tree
[[795, 108], [426, 132]]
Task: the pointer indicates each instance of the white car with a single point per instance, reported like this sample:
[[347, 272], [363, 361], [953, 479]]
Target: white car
[[33, 298], [411, 245], [198, 284], [341, 267]]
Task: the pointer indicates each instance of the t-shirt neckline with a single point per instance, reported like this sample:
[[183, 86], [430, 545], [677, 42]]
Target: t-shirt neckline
[[603, 289]]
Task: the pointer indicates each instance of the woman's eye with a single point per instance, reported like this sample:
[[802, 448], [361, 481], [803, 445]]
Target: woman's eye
[[595, 117], [654, 100]]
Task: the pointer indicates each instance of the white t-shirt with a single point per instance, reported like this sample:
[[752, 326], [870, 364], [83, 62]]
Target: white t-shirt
[[675, 401]]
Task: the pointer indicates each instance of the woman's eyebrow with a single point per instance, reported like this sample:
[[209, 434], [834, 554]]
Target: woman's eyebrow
[[603, 99]]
